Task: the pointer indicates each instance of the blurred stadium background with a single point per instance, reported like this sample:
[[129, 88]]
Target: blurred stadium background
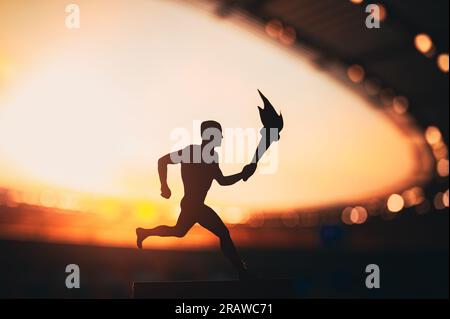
[[401, 69]]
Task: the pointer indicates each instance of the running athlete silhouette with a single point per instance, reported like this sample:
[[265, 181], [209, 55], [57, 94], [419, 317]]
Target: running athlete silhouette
[[199, 167]]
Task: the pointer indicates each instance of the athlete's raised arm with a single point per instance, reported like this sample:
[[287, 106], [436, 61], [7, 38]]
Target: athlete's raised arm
[[246, 172]]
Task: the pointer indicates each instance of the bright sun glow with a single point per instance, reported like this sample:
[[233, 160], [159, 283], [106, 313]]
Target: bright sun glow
[[92, 109]]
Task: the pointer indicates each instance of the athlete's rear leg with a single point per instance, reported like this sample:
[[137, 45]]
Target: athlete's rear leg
[[183, 225], [211, 221]]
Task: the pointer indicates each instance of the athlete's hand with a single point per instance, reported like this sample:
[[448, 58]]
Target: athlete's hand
[[165, 191], [248, 171]]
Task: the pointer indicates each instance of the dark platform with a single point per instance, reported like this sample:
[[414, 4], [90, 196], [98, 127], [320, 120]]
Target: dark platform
[[253, 289]]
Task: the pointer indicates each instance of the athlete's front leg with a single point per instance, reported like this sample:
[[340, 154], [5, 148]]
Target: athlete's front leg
[[211, 221]]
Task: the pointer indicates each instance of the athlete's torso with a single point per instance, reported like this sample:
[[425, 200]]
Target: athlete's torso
[[197, 175]]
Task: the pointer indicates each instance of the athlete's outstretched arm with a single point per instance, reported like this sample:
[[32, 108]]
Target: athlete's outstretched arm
[[171, 158], [247, 171]]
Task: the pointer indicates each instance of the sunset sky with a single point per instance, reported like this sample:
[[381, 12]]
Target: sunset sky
[[92, 109]]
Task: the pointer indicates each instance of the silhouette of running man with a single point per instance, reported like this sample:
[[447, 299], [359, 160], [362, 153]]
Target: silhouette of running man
[[199, 167]]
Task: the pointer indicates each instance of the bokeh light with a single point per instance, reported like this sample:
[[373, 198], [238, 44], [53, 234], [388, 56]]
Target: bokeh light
[[356, 73], [358, 215], [413, 196], [439, 201], [423, 43], [445, 199], [109, 209], [274, 28], [395, 203], [440, 150], [443, 167], [443, 62], [235, 215], [345, 216], [288, 36], [354, 215], [433, 135], [400, 105]]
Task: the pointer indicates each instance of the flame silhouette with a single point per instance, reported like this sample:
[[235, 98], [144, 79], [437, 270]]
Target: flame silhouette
[[271, 120], [269, 117]]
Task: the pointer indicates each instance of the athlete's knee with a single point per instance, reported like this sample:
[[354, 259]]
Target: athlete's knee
[[224, 236], [180, 231]]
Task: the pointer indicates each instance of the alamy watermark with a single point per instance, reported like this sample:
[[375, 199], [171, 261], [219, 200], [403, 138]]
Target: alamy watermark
[[72, 20], [374, 17], [373, 277], [73, 279], [231, 145]]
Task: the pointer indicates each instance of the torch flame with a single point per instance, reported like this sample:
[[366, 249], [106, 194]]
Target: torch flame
[[269, 117], [271, 122]]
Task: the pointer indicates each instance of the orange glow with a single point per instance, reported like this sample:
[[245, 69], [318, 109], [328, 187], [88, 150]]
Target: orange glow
[[6, 71], [48, 199], [356, 73], [443, 62], [105, 139], [82, 125], [357, 1], [395, 203], [423, 43], [146, 212], [109, 209]]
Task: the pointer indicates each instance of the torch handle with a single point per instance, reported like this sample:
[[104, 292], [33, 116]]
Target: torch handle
[[260, 150]]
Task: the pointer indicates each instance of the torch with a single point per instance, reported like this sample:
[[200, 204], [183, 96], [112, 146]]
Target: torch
[[272, 126]]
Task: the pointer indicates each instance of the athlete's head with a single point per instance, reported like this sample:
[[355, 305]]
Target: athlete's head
[[211, 132]]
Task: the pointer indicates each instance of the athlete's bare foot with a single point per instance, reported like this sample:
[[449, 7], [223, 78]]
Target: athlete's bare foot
[[139, 237]]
